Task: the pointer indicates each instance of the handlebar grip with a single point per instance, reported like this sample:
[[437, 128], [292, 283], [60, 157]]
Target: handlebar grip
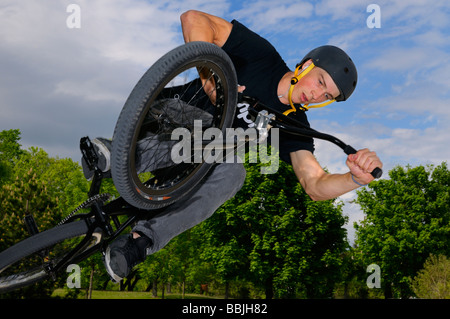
[[376, 173]]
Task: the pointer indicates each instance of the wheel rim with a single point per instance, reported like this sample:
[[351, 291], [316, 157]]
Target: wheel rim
[[176, 106]]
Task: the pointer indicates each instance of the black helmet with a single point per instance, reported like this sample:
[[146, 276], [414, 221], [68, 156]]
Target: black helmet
[[338, 65]]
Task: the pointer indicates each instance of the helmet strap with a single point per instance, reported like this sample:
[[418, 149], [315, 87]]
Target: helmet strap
[[294, 81], [306, 107]]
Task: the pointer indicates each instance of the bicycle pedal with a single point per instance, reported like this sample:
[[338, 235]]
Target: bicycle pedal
[[88, 152]]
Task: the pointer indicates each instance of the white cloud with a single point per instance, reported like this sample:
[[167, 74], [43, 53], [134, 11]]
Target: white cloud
[[415, 146], [354, 213], [414, 13], [59, 84], [345, 10], [432, 38], [273, 17], [398, 146], [403, 58], [420, 12], [123, 32]]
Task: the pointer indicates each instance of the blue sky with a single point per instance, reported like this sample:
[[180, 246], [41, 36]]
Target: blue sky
[[59, 84]]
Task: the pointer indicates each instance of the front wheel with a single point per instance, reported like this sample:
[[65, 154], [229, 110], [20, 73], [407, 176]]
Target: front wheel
[[170, 99]]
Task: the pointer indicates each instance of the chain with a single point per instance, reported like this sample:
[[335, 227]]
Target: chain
[[87, 203]]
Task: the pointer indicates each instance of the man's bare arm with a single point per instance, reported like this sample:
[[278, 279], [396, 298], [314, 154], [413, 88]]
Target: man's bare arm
[[200, 26], [320, 185]]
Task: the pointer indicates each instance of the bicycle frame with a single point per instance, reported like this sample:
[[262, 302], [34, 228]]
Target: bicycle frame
[[102, 220], [98, 218]]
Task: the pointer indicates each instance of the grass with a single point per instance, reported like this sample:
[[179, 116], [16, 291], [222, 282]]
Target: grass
[[107, 294]]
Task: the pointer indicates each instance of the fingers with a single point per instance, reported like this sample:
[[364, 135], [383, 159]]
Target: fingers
[[241, 88], [366, 160]]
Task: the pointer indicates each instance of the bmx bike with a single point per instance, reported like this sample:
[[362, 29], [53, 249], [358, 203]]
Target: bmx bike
[[169, 95]]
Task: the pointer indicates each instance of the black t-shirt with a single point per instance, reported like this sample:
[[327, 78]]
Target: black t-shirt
[[260, 68]]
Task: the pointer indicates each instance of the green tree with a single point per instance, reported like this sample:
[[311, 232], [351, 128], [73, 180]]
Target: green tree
[[272, 235], [433, 281], [26, 194], [191, 271], [63, 177], [407, 218], [10, 151], [159, 268], [177, 263], [48, 188]]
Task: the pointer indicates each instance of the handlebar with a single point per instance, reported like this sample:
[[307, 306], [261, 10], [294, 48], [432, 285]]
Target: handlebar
[[376, 173], [301, 129], [308, 132]]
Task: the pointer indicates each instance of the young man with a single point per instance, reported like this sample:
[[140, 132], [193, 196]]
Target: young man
[[325, 74]]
